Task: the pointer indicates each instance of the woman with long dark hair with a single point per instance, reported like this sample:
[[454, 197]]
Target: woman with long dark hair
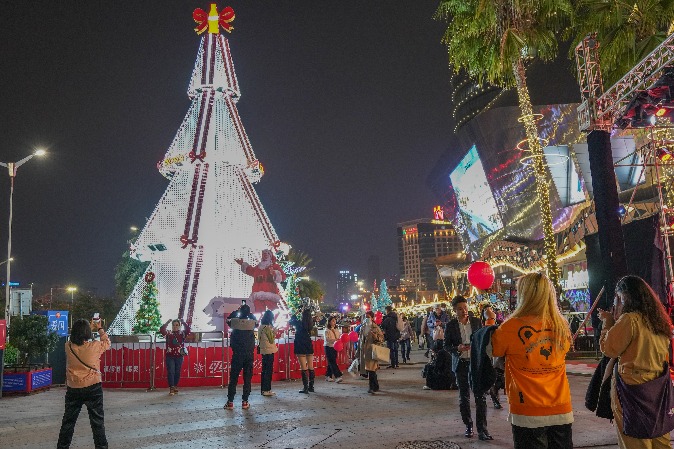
[[266, 337], [638, 331], [175, 348], [332, 334], [83, 380], [304, 348]]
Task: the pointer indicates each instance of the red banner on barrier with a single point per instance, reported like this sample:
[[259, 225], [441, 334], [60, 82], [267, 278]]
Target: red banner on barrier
[[3, 333], [206, 364]]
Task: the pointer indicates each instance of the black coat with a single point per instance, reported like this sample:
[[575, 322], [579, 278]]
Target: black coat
[[597, 397], [242, 342], [389, 326], [482, 372], [453, 338]]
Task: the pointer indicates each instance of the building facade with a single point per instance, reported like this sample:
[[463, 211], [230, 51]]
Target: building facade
[[419, 243]]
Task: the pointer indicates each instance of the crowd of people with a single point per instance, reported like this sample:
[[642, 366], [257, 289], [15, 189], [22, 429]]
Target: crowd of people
[[525, 354]]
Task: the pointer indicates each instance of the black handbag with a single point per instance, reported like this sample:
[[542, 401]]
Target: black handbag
[[648, 408]]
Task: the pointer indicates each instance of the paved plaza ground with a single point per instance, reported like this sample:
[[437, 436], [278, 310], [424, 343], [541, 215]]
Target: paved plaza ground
[[336, 416]]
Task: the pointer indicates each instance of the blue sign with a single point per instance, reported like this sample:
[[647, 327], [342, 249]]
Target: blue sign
[[58, 321], [39, 379], [14, 382]]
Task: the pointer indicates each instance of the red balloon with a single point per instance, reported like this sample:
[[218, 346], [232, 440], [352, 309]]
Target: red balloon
[[481, 275], [338, 345], [344, 338], [378, 317], [353, 336]]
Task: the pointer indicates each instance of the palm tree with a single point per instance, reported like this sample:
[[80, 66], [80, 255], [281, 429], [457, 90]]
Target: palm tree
[[300, 259], [627, 31], [493, 40]]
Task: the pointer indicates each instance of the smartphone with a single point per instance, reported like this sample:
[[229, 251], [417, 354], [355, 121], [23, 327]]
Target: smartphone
[[97, 316]]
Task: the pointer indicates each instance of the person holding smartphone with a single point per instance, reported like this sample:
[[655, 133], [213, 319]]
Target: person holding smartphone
[[83, 380], [175, 350]]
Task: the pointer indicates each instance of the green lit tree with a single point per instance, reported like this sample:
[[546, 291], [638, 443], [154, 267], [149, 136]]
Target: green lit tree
[[374, 304], [148, 318], [292, 295], [384, 297]]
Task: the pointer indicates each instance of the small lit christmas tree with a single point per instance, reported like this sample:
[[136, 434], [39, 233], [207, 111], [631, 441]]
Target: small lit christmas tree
[[148, 318], [374, 304], [384, 297], [292, 295]]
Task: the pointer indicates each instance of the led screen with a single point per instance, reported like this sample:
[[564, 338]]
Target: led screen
[[477, 208]]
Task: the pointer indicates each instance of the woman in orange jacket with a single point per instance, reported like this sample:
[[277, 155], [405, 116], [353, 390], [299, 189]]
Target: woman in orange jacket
[[534, 342]]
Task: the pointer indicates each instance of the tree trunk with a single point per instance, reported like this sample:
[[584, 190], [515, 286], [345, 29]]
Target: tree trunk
[[540, 172]]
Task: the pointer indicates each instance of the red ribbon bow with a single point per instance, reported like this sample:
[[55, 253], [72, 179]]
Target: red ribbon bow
[[185, 240], [201, 17], [194, 156]]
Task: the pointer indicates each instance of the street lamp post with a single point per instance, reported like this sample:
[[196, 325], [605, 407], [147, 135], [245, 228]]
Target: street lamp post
[[72, 291], [12, 168]]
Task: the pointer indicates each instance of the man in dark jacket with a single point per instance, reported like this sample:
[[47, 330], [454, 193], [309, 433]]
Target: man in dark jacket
[[242, 342], [457, 341], [391, 334]]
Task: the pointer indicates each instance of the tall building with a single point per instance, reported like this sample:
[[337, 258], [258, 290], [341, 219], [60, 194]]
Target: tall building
[[347, 284], [421, 241]]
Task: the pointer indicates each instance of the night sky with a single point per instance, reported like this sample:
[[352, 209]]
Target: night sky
[[347, 105]]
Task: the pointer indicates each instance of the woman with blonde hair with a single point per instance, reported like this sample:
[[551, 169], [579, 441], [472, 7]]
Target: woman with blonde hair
[[534, 341], [638, 331]]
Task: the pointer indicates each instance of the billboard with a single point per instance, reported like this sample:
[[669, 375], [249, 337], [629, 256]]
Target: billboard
[[476, 205]]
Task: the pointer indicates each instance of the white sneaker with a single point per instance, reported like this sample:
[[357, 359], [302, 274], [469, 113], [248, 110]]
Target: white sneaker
[[339, 379], [329, 379], [268, 393], [426, 387]]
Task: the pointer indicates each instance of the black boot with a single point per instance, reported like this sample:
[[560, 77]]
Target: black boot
[[374, 383], [311, 380], [305, 382], [494, 399]]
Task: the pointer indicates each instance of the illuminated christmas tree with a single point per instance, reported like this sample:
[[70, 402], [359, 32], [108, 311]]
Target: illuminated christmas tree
[[148, 318], [374, 304], [209, 214], [384, 298]]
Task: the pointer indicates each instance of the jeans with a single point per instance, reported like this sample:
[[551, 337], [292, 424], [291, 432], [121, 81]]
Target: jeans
[[405, 348], [549, 437], [463, 381], [267, 369], [240, 362], [429, 341], [333, 369], [393, 349], [173, 366], [92, 397]]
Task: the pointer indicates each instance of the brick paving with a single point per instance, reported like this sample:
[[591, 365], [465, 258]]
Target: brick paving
[[342, 415]]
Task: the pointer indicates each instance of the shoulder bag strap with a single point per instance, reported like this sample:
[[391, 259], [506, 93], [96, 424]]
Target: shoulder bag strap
[[70, 345]]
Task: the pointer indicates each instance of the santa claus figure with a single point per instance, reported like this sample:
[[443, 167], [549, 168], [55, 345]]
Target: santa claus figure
[[266, 275]]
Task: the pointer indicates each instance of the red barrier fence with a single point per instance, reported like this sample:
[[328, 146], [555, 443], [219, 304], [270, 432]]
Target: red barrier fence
[[138, 361]]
